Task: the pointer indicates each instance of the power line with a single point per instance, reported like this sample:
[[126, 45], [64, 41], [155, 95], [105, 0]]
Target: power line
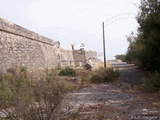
[[108, 22], [118, 17]]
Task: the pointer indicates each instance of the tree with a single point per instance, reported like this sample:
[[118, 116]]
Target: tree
[[134, 49], [149, 34], [121, 57]]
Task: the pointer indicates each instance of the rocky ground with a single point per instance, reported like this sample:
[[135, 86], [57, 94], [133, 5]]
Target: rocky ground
[[122, 99]]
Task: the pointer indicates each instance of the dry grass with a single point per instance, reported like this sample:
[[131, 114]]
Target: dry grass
[[103, 75], [97, 65], [27, 99]]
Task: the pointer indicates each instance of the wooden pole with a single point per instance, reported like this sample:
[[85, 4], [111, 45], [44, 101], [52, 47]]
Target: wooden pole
[[104, 47]]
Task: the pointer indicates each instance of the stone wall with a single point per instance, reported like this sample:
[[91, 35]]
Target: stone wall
[[22, 47], [91, 55], [79, 57], [66, 58]]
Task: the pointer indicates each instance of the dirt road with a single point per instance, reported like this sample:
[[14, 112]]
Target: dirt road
[[119, 100]]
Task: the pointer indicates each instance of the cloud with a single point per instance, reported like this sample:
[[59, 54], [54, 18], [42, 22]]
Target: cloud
[[79, 14], [86, 16]]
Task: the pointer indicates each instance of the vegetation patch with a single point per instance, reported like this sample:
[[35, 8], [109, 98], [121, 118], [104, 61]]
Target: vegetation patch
[[103, 75], [152, 83], [67, 71], [27, 99]]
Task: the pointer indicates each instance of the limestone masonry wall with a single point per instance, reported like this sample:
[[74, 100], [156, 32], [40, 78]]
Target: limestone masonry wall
[[22, 47]]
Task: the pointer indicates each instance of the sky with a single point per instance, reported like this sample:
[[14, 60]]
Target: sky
[[76, 21]]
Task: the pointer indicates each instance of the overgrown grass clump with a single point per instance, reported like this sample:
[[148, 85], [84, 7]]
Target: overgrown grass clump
[[152, 83], [27, 99], [67, 71], [103, 75]]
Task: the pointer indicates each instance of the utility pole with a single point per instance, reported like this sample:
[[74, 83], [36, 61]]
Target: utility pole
[[108, 22], [104, 47]]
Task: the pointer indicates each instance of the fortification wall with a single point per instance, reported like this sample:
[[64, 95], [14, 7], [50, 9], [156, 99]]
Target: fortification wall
[[21, 47], [91, 55], [66, 58]]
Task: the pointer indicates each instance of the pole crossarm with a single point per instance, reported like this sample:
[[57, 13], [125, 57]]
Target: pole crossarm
[[118, 17]]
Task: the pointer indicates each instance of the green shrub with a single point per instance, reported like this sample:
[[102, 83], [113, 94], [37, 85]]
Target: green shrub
[[152, 83], [23, 69], [67, 72], [24, 99], [103, 75]]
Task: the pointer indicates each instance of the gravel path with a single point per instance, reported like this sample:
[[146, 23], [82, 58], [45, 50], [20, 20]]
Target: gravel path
[[130, 75], [120, 100]]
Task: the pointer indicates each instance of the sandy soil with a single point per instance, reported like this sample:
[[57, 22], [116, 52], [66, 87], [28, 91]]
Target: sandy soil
[[122, 99]]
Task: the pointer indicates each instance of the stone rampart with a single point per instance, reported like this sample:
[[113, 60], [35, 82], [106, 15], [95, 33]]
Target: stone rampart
[[91, 55], [21, 47]]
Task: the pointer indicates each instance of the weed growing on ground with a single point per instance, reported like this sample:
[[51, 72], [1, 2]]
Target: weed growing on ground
[[23, 98], [103, 75], [152, 83], [67, 71]]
